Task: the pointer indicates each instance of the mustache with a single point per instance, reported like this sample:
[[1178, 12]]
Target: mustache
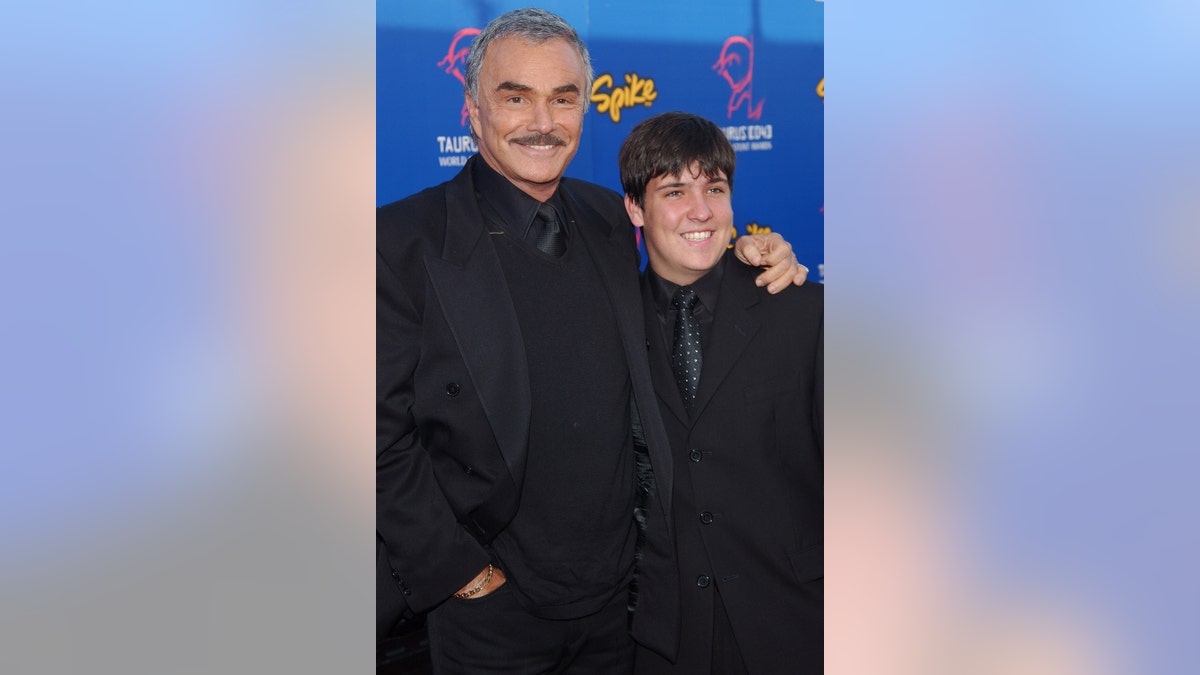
[[539, 139]]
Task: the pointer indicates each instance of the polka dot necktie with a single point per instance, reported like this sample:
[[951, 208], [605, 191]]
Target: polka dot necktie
[[550, 240], [685, 348]]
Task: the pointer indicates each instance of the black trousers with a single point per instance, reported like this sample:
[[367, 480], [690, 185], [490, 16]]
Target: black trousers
[[495, 634]]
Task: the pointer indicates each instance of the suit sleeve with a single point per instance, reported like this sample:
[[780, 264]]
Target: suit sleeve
[[429, 553]]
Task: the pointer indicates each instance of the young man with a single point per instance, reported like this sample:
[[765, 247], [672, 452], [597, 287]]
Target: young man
[[738, 375], [511, 369]]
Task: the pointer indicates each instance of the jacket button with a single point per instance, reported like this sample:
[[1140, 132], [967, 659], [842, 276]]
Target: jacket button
[[703, 581], [695, 455], [706, 517], [452, 389], [469, 470]]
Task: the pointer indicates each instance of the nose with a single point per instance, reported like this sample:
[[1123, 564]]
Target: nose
[[543, 120], [699, 210]]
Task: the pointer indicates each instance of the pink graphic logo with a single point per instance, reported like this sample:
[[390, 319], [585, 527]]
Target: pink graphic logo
[[736, 65], [456, 56]]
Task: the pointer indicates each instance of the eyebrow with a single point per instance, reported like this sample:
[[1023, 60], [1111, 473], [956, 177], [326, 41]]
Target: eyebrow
[[679, 183], [514, 86]]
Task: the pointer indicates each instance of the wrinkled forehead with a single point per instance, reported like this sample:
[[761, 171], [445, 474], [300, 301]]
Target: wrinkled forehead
[[513, 54]]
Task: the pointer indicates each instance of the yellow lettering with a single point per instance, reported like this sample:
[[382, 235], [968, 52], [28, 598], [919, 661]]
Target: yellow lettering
[[618, 102], [650, 94], [601, 99], [636, 91]]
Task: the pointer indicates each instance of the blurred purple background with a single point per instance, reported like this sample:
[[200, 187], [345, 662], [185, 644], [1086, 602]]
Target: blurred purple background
[[1012, 231]]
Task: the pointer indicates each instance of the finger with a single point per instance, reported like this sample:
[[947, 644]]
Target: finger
[[774, 278], [801, 274], [749, 249], [790, 272], [777, 250]]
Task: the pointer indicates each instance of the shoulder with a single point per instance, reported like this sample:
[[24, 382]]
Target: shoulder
[[595, 196], [428, 203], [807, 300], [602, 211], [419, 219], [425, 207], [592, 190]]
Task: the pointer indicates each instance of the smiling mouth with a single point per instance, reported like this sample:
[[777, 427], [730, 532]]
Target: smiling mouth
[[697, 236]]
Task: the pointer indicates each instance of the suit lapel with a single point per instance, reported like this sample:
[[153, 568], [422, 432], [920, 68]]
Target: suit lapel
[[733, 326], [473, 293], [610, 246]]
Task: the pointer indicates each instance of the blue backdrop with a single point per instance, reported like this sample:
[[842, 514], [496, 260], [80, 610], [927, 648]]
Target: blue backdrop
[[755, 67]]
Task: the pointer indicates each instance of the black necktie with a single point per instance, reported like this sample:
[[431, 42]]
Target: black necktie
[[551, 240], [685, 348]]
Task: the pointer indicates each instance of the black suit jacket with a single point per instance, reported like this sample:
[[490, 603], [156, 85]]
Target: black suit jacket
[[452, 391], [748, 477]]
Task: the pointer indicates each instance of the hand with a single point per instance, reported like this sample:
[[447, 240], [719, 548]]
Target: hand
[[772, 252], [496, 581]]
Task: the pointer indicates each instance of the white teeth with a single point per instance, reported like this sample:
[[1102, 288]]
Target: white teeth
[[541, 147], [696, 236]]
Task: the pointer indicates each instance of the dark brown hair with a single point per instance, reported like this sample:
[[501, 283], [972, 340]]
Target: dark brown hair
[[669, 144]]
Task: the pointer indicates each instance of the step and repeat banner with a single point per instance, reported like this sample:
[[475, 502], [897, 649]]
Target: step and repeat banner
[[755, 67]]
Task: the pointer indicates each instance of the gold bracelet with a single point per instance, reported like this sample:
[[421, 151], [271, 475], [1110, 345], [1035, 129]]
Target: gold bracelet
[[482, 585]]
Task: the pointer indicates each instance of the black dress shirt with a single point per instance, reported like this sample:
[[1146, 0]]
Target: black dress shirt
[[708, 287], [511, 210]]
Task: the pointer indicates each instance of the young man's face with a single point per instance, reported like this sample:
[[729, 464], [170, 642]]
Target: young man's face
[[687, 222], [530, 111]]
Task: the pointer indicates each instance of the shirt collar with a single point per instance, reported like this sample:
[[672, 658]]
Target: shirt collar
[[515, 208], [708, 287]]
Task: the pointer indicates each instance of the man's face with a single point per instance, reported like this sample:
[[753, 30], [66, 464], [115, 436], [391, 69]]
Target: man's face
[[687, 221], [530, 111]]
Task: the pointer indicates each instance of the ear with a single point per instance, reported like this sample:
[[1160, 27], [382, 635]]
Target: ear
[[634, 211], [472, 113]]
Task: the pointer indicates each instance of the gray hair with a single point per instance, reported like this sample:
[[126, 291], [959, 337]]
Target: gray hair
[[535, 26]]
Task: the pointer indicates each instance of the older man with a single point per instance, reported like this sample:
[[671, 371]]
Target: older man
[[514, 398]]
